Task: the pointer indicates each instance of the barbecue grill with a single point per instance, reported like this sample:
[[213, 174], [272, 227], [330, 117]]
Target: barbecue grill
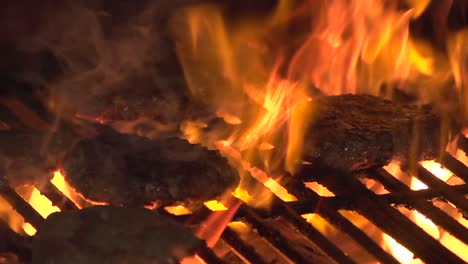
[[281, 235], [335, 217]]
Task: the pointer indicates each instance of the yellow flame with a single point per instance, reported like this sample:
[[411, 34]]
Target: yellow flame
[[349, 46], [10, 216], [419, 6], [217, 57], [42, 205], [29, 229], [453, 244], [319, 189], [178, 210], [318, 222], [58, 180], [462, 157], [215, 206], [243, 71], [458, 52], [437, 169], [401, 253]]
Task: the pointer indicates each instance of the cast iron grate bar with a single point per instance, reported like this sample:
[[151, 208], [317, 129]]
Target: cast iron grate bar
[[272, 235], [463, 143], [439, 217], [12, 242], [314, 235], [344, 202], [388, 219], [343, 224], [248, 252], [283, 209], [455, 197], [455, 166], [209, 256], [56, 197], [21, 206]]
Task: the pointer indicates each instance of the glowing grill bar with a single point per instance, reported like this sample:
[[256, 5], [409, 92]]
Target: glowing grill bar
[[21, 206], [388, 219], [57, 197], [331, 214]]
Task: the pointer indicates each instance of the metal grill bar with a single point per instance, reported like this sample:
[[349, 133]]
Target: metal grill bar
[[455, 166], [450, 194], [56, 197], [344, 225], [344, 202], [389, 219], [208, 256], [428, 209], [273, 236], [12, 242], [21, 206], [463, 143], [314, 235], [247, 251]]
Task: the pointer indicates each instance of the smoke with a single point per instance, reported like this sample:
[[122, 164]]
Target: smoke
[[117, 60]]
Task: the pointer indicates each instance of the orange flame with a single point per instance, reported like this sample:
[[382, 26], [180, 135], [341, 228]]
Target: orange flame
[[446, 239], [77, 198], [42, 205]]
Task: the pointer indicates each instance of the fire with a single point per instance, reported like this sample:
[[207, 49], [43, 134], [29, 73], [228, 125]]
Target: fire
[[10, 216], [77, 198], [462, 157], [42, 205], [403, 254], [233, 58], [212, 228], [215, 206], [259, 82], [178, 210], [59, 181], [247, 74]]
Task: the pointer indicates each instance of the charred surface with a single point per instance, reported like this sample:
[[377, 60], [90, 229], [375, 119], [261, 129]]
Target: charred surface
[[130, 170], [356, 132], [105, 234]]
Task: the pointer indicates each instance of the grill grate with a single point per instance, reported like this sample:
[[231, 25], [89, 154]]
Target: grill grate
[[283, 221]]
